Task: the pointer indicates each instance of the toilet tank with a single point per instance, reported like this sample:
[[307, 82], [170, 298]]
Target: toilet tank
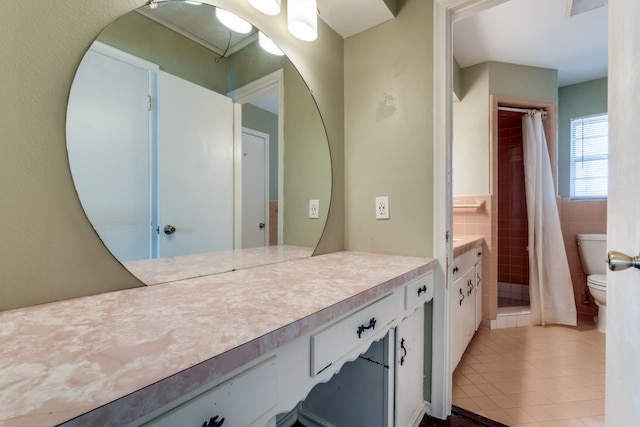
[[593, 252]]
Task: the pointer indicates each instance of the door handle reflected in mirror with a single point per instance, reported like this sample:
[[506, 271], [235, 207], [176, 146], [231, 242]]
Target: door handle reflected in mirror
[[619, 261], [169, 229]]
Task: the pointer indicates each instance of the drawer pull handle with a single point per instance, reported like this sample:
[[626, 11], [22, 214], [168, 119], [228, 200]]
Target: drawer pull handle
[[461, 297], [213, 422], [422, 289], [404, 351], [362, 328], [455, 269], [470, 285]]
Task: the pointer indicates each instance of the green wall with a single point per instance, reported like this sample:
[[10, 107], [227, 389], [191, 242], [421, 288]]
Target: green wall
[[49, 250], [583, 99], [471, 144], [172, 52], [389, 133]]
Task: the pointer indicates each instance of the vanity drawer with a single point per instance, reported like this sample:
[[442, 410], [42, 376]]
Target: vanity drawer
[[462, 263], [330, 344], [240, 400], [418, 291]]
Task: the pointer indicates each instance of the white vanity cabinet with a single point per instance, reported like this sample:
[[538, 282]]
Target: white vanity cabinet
[[239, 401], [382, 387], [363, 368], [466, 301]]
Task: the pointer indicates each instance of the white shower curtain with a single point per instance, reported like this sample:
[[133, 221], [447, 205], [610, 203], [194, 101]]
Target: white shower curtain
[[550, 288]]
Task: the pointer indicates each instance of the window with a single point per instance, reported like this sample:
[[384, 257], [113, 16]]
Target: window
[[589, 157]]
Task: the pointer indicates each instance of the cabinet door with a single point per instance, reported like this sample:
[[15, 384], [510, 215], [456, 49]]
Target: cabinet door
[[409, 369], [478, 294], [457, 299], [462, 315]]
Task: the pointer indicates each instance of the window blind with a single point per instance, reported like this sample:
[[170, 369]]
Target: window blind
[[589, 157]]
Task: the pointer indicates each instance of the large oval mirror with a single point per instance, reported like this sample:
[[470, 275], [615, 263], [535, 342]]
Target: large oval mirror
[[193, 149]]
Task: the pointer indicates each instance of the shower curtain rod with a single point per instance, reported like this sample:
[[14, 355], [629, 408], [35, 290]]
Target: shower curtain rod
[[520, 110]]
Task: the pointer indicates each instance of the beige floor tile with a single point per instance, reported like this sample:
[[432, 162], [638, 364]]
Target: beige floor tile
[[471, 390], [531, 398], [476, 378], [485, 403], [593, 421], [535, 376], [488, 389]]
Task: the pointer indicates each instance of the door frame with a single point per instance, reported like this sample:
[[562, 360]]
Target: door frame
[[444, 13], [246, 93]]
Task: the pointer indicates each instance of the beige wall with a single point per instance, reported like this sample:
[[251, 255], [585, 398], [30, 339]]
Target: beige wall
[[471, 174], [388, 133], [49, 250]]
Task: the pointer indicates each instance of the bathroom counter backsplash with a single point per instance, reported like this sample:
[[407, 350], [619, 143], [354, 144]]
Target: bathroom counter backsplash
[[462, 244], [119, 355]]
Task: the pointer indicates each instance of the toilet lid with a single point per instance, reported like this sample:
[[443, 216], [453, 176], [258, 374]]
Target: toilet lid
[[597, 279]]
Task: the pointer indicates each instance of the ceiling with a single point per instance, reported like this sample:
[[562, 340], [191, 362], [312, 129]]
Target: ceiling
[[526, 32], [536, 33]]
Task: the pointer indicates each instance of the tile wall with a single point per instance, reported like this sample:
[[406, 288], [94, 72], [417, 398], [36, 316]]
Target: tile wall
[[581, 216], [513, 258], [478, 222]]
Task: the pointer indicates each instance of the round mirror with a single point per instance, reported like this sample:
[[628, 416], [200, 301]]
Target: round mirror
[[193, 149]]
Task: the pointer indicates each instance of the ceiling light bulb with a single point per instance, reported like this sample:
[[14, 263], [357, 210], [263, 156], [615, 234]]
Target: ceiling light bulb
[[268, 7], [267, 44], [233, 21], [302, 18]]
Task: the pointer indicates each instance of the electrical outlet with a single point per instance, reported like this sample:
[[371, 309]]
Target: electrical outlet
[[382, 207], [314, 207]]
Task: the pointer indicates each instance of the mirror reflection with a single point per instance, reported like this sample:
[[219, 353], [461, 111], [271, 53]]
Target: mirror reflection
[[193, 149]]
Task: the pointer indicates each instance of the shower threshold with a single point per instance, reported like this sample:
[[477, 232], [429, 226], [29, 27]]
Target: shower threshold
[[512, 317]]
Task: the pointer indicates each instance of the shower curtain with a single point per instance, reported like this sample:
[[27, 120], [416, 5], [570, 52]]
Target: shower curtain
[[550, 288]]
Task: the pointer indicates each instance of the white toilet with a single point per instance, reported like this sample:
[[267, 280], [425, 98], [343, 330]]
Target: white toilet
[[593, 254]]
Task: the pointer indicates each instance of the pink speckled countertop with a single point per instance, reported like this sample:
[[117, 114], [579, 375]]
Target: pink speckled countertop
[[462, 244], [116, 356]]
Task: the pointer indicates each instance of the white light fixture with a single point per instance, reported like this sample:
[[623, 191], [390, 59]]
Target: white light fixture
[[233, 21], [267, 44], [302, 19], [268, 7]]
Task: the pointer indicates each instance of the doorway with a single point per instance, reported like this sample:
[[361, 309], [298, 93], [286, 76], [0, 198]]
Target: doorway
[[510, 259], [513, 259]]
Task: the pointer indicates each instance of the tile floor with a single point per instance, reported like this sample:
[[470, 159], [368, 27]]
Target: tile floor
[[535, 376]]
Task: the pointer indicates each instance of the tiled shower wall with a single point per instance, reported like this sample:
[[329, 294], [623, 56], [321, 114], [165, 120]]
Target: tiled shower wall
[[513, 259]]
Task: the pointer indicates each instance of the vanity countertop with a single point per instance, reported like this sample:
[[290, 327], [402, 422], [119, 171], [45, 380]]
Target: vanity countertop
[[462, 244], [112, 357]]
